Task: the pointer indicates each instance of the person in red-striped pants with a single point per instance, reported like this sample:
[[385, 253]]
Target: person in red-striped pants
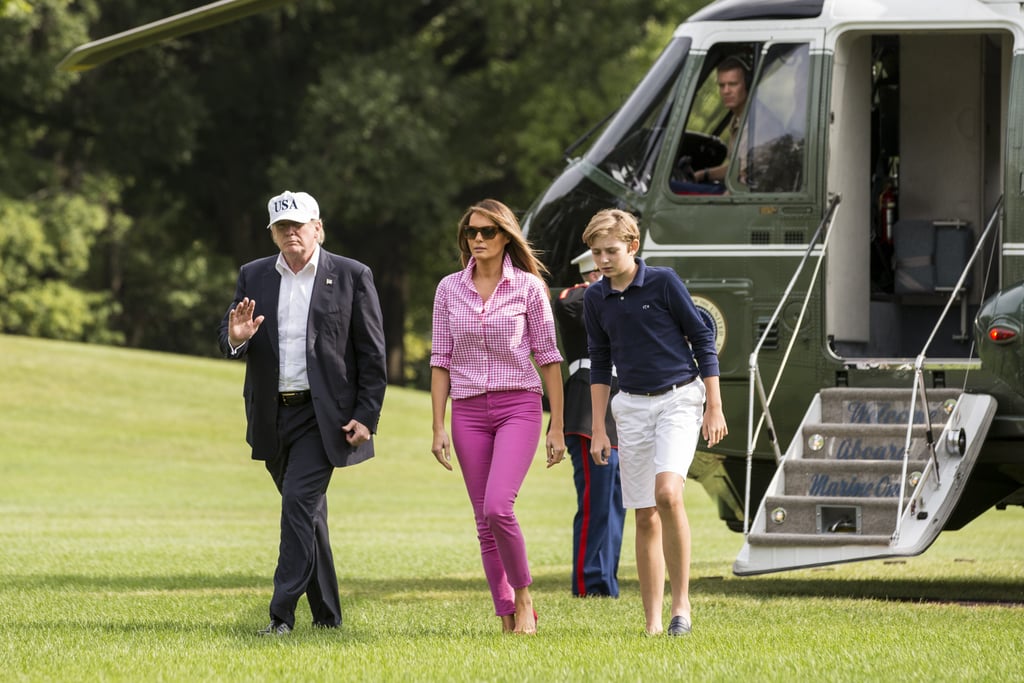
[[600, 517]]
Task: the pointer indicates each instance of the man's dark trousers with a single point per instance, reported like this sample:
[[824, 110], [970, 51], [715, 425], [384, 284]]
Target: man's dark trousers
[[305, 564]]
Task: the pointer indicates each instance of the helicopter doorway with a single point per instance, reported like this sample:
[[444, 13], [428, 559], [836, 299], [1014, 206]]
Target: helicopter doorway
[[916, 150]]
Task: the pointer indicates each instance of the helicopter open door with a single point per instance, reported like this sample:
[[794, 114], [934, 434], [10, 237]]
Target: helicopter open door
[[916, 140]]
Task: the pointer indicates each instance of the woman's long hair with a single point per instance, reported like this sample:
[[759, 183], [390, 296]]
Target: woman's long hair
[[517, 248]]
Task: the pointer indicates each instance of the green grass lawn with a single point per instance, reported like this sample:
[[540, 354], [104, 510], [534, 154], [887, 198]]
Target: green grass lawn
[[138, 542]]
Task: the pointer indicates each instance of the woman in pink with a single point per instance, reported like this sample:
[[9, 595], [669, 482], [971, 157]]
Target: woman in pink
[[489, 318]]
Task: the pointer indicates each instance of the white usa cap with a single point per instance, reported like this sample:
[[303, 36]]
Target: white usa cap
[[586, 262], [292, 206]]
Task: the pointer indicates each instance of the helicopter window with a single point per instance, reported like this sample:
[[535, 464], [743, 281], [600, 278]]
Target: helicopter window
[[629, 145], [744, 137], [712, 124], [771, 150]]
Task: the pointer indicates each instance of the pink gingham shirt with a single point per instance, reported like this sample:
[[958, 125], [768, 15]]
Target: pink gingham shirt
[[486, 346]]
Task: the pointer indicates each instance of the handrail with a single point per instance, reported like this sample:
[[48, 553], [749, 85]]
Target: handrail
[[756, 383], [919, 384]]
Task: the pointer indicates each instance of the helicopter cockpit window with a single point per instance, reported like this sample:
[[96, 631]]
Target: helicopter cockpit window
[[711, 127], [629, 146], [772, 145], [743, 135]]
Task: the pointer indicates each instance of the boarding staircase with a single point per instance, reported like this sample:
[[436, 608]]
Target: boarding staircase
[[845, 491], [871, 472]]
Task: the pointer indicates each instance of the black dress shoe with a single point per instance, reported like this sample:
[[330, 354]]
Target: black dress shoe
[[680, 626], [324, 624], [275, 628]]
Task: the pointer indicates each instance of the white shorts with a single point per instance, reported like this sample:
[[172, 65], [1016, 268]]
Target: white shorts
[[656, 434]]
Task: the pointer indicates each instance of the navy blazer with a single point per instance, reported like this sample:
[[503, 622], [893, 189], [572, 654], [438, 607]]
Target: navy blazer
[[345, 356]]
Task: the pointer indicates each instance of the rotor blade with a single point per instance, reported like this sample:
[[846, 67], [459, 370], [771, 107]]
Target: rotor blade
[[103, 50]]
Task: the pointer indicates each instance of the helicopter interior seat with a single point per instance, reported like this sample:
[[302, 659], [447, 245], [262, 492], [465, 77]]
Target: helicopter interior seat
[[930, 255], [929, 258]]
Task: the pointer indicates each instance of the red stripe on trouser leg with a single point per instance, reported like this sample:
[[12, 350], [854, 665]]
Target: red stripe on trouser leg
[[581, 584]]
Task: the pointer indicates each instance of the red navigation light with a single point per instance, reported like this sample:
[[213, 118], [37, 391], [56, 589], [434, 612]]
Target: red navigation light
[[1001, 335]]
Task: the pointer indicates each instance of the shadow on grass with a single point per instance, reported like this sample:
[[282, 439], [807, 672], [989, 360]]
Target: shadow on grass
[[116, 583], [413, 588], [408, 587], [961, 591]]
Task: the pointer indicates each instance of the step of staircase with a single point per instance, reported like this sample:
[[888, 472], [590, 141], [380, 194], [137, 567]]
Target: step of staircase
[[844, 441], [883, 406], [825, 540], [818, 516], [847, 478]]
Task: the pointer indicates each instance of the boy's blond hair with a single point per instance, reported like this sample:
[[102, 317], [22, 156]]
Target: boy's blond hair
[[615, 223]]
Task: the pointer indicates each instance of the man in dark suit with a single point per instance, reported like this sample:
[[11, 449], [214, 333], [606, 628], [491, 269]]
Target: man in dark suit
[[309, 326]]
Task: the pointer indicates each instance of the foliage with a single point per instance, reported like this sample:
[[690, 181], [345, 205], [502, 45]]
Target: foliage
[[57, 310], [139, 544], [45, 248], [35, 37]]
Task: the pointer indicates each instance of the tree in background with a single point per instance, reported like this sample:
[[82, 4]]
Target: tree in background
[[394, 115], [49, 224]]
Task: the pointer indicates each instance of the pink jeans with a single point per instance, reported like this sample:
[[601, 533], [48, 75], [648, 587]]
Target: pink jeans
[[495, 436]]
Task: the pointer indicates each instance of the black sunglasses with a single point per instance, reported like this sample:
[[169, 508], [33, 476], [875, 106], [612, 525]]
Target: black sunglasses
[[470, 232]]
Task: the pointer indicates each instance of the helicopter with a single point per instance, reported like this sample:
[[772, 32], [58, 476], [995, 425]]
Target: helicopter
[[859, 260], [860, 255]]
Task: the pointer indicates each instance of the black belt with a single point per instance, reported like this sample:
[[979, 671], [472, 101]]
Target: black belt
[[294, 398], [663, 390]]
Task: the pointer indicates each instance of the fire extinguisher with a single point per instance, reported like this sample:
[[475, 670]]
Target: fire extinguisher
[[887, 203], [887, 213]]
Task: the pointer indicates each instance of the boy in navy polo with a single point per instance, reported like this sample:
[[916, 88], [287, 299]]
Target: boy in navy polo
[[641, 319]]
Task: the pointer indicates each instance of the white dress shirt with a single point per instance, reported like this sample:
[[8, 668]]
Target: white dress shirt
[[292, 317]]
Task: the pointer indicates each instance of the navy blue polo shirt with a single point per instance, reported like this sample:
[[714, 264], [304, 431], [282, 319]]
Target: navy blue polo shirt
[[647, 332]]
